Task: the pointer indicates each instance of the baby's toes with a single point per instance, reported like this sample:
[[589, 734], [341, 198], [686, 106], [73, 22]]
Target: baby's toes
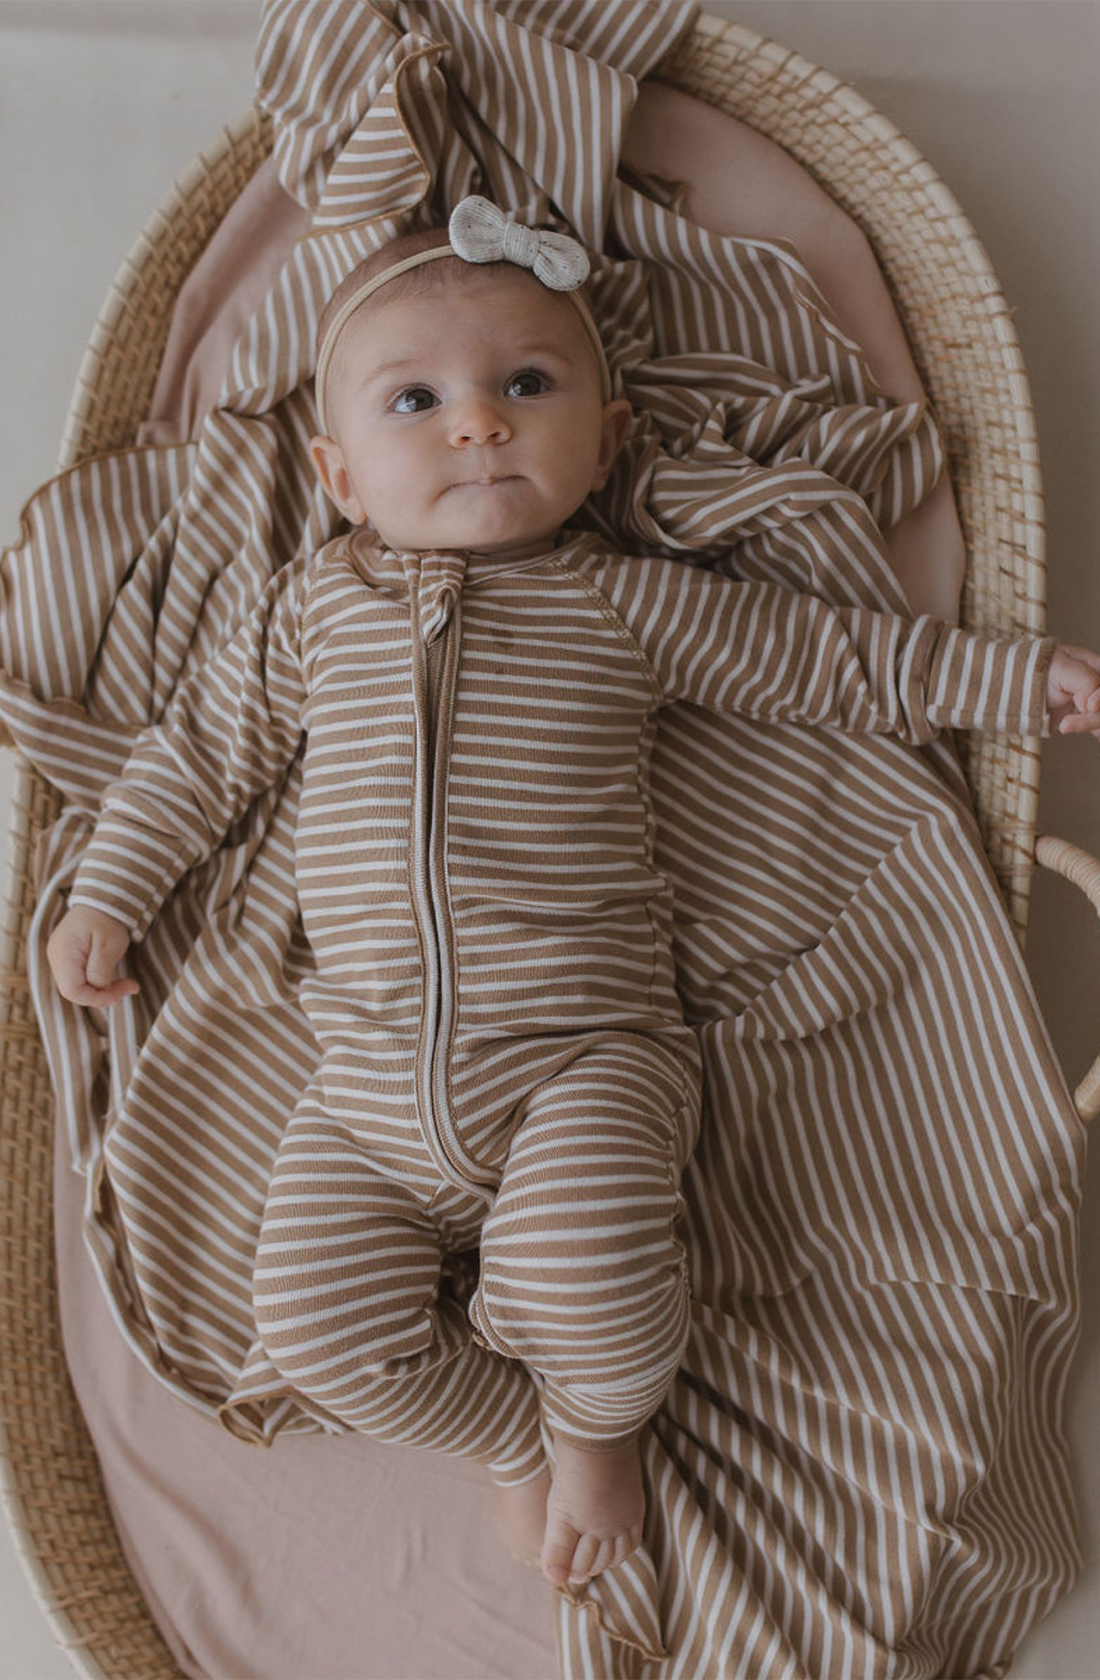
[[625, 1543], [590, 1561], [559, 1551], [587, 1559]]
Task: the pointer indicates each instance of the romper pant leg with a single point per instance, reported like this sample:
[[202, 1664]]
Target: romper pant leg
[[346, 1295], [582, 1274]]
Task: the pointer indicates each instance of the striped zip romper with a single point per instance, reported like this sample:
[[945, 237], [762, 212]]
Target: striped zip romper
[[503, 1059]]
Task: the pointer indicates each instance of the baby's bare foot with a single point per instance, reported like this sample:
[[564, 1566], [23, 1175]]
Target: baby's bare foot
[[594, 1512], [520, 1514]]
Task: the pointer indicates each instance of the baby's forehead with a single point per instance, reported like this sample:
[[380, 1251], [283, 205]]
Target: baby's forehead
[[444, 320]]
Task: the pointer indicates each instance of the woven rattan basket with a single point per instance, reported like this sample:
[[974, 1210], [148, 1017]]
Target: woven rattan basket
[[963, 341]]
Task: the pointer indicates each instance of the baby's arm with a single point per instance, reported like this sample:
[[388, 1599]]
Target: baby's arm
[[762, 651], [84, 951], [230, 732], [1073, 691]]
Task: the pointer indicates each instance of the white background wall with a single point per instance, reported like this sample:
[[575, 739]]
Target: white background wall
[[103, 102]]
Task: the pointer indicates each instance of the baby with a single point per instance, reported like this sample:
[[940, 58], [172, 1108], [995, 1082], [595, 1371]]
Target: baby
[[503, 1060]]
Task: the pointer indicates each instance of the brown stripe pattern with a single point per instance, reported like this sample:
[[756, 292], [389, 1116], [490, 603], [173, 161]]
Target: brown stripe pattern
[[861, 1467], [476, 868]]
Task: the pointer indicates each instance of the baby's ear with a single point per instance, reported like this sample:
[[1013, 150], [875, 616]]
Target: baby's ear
[[328, 459], [616, 418]]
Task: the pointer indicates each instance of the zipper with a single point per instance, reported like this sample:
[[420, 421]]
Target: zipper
[[434, 673]]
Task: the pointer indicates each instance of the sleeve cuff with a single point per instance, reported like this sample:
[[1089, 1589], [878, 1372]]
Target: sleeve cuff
[[994, 683], [131, 894]]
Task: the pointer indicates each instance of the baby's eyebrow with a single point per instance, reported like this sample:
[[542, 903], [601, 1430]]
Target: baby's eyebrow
[[393, 364], [539, 347]]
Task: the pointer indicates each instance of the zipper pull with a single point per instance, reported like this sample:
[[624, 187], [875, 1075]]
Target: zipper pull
[[438, 588]]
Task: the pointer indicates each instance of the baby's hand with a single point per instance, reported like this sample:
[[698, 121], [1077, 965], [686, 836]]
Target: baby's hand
[[84, 950], [1073, 691]]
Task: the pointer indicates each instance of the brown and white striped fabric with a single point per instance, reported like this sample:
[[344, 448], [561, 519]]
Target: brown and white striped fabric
[[861, 1467], [494, 993]]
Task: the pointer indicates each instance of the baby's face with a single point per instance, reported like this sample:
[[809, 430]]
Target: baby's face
[[468, 417]]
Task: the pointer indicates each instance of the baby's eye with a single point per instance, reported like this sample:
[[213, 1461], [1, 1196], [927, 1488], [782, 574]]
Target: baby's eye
[[415, 400], [529, 382]]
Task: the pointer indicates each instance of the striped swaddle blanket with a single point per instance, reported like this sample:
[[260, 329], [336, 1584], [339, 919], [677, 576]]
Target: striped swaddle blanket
[[861, 1469]]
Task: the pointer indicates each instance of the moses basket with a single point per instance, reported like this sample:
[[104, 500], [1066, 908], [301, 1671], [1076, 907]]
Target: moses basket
[[961, 335]]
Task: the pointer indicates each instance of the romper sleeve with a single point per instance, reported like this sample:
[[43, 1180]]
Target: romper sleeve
[[762, 651], [228, 735]]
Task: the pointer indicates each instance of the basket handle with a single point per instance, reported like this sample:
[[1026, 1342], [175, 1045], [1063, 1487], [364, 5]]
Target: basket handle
[[1083, 870]]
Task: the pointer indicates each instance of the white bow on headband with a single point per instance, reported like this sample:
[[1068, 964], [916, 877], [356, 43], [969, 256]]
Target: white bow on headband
[[480, 233]]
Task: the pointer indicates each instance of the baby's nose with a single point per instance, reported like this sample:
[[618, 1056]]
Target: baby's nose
[[478, 420]]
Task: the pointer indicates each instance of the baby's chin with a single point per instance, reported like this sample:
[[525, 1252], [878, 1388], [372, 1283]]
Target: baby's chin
[[488, 537]]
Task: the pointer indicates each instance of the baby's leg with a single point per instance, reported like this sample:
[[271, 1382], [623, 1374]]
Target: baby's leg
[[583, 1279], [347, 1301]]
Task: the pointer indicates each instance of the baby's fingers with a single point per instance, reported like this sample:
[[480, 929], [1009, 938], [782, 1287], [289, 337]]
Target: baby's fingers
[[1078, 656], [84, 959], [100, 997], [1073, 681], [1079, 724], [105, 952], [101, 989], [77, 981], [1086, 719]]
